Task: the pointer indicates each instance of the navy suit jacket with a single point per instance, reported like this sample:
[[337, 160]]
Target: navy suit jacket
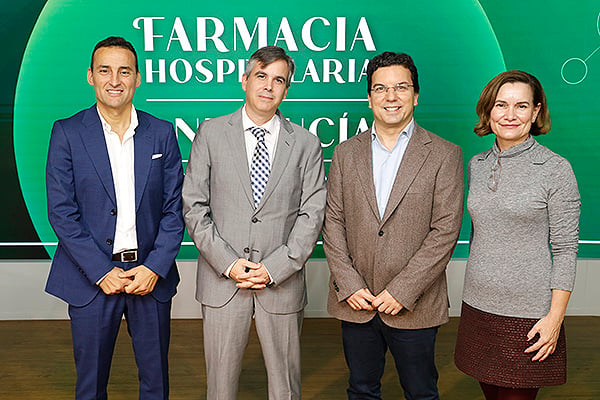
[[82, 205]]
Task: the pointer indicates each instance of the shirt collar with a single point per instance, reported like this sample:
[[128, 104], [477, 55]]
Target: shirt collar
[[247, 123], [408, 131], [132, 124]]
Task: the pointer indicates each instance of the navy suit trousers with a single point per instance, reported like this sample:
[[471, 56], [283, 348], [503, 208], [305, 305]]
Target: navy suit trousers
[[95, 327], [365, 346]]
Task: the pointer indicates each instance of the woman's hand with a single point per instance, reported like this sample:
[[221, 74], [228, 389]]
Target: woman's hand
[[548, 327]]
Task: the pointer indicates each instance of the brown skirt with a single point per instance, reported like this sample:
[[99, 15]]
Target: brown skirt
[[490, 348]]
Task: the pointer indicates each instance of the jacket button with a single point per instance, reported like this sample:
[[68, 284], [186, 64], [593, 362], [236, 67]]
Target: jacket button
[[113, 212], [254, 220], [109, 241], [246, 250], [380, 233]]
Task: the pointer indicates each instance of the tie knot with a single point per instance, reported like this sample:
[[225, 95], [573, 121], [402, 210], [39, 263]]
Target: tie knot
[[258, 132]]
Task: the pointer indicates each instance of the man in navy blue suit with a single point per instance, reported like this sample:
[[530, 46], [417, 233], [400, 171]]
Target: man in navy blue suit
[[113, 182]]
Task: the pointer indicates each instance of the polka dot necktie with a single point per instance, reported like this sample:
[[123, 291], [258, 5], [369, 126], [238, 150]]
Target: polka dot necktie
[[260, 169]]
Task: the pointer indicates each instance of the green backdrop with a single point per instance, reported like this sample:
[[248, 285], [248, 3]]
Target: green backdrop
[[191, 57]]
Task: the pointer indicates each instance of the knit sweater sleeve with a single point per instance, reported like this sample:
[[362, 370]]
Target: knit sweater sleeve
[[563, 217]]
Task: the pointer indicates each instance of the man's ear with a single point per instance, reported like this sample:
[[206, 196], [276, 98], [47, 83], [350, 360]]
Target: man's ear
[[244, 81]]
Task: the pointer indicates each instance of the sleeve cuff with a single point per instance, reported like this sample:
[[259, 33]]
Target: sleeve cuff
[[228, 270]]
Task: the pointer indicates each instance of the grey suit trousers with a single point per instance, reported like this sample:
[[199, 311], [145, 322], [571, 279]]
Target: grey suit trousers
[[226, 331]]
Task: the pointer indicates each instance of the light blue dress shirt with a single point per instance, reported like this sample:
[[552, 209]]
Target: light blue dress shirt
[[386, 163]]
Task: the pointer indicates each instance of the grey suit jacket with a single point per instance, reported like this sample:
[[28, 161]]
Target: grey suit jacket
[[406, 251], [221, 219]]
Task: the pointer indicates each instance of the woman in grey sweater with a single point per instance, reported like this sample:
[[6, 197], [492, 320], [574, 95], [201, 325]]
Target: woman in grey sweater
[[524, 204]]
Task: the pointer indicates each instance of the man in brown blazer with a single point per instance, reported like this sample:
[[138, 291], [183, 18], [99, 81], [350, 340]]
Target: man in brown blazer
[[394, 210]]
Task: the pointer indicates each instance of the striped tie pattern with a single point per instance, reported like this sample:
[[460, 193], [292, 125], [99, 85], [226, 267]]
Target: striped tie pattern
[[260, 169]]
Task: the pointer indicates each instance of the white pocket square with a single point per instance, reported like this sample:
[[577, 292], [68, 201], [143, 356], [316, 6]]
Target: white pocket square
[[155, 156]]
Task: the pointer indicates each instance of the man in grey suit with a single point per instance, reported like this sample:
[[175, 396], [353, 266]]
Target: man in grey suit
[[254, 199], [394, 210]]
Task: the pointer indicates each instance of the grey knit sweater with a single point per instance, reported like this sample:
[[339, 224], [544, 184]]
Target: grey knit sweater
[[524, 204]]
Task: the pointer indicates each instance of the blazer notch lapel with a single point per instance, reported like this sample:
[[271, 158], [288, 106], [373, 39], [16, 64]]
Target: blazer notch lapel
[[94, 142], [143, 147], [285, 145], [234, 134], [363, 159], [414, 158]]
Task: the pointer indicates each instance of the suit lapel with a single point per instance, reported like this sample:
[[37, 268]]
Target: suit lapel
[[285, 144], [364, 166], [413, 160], [95, 144], [143, 148], [234, 133]]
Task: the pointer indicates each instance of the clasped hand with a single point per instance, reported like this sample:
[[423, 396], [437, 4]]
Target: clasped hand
[[249, 275], [139, 280], [384, 302]]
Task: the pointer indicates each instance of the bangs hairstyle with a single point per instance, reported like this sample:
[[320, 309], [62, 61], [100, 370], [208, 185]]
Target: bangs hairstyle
[[388, 59], [541, 126], [268, 55]]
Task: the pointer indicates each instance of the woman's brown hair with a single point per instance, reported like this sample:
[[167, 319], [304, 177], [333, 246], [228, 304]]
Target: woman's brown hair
[[488, 96]]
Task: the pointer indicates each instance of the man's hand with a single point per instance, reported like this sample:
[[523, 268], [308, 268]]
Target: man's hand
[[113, 283], [249, 275], [361, 300], [141, 280], [384, 302], [240, 268]]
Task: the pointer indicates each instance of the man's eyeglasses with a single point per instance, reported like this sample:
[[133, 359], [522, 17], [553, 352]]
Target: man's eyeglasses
[[398, 88]]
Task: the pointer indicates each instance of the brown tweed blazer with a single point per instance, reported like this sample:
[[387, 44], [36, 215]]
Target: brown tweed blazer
[[407, 251]]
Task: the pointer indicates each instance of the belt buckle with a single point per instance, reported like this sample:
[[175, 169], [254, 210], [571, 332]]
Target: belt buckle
[[129, 256]]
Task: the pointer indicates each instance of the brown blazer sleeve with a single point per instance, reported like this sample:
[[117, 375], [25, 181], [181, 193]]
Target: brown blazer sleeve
[[335, 243]]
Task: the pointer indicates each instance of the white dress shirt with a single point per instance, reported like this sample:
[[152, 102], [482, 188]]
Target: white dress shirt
[[121, 156]]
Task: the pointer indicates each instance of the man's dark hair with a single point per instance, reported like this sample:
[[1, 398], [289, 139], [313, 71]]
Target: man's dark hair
[[268, 55], [115, 41], [387, 59]]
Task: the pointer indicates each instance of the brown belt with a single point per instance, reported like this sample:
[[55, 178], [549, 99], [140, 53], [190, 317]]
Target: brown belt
[[126, 256]]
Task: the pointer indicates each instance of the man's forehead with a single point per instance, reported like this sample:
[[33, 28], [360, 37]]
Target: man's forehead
[[260, 66], [125, 66], [392, 69], [111, 51]]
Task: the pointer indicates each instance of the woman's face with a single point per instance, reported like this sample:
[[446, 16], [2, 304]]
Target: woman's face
[[512, 114]]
